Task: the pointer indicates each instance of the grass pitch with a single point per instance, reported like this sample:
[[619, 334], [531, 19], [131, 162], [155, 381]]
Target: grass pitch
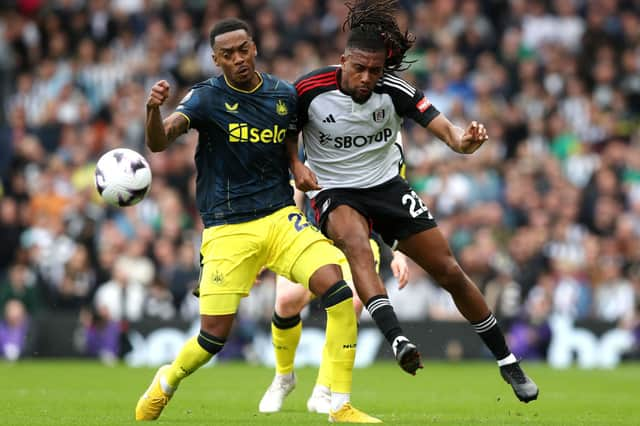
[[87, 393]]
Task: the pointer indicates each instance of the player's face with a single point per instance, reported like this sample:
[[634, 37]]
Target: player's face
[[234, 52], [361, 70]]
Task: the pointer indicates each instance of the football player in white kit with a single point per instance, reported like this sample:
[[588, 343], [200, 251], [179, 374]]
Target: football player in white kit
[[350, 116]]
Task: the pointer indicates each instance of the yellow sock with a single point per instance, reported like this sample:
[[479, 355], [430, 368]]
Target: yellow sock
[[191, 357], [324, 372], [285, 342], [341, 337]]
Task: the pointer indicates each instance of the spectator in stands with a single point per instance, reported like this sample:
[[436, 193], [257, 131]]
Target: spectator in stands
[[184, 276], [79, 281], [614, 295], [121, 298], [99, 336], [503, 293], [20, 284], [10, 229], [529, 335], [158, 303], [14, 327]]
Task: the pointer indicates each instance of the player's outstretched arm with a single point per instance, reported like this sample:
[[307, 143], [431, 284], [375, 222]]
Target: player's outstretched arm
[[462, 141], [160, 134]]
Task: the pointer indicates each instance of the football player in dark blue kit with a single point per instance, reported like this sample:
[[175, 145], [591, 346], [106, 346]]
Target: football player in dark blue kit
[[246, 122]]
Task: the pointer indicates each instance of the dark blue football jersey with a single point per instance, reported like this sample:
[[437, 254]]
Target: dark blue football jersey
[[242, 168]]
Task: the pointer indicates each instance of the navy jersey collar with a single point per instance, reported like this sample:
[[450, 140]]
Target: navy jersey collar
[[255, 89]]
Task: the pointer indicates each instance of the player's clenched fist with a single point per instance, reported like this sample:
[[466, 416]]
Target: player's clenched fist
[[159, 93]]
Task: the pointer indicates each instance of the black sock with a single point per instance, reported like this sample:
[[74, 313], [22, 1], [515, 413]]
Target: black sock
[[210, 343], [382, 312], [339, 292], [490, 333], [285, 323]]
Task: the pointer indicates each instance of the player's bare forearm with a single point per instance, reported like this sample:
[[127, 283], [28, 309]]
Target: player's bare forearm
[[458, 139], [155, 135], [444, 130], [291, 142], [304, 178], [454, 138], [160, 134]]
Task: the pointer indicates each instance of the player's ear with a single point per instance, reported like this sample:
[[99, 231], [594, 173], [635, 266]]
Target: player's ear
[[215, 61], [343, 59]]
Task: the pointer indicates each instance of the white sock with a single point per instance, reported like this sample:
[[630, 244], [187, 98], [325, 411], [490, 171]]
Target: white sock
[[287, 377], [338, 400], [166, 388], [511, 359], [319, 389]]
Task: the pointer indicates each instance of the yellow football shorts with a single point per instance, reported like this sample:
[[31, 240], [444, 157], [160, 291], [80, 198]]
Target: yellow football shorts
[[233, 255], [346, 270]]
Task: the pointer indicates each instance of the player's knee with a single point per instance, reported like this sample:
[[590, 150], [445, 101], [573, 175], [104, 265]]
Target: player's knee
[[210, 343], [339, 292], [291, 301]]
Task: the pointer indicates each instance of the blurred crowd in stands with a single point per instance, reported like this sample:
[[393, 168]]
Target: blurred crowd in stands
[[545, 217]]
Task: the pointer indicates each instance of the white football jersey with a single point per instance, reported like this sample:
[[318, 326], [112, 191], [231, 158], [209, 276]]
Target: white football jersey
[[352, 145]]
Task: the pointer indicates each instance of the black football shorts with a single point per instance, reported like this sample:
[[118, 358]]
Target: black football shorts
[[393, 209]]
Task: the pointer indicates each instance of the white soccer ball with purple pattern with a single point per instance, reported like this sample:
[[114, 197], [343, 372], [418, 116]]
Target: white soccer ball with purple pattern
[[123, 177]]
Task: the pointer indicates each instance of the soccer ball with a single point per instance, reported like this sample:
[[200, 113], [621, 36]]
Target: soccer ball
[[123, 177]]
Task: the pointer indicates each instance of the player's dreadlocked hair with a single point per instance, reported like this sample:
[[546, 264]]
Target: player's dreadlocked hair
[[372, 26]]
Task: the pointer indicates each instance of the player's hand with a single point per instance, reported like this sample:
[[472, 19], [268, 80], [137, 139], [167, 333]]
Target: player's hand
[[159, 94], [473, 138], [400, 269], [305, 179]]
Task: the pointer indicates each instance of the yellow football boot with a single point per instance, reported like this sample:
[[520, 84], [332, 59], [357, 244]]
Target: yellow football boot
[[348, 414], [152, 402]]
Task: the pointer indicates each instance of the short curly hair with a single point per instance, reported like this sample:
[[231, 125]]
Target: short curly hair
[[227, 25]]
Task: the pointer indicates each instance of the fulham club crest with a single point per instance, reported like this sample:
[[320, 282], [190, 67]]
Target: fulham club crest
[[378, 115]]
